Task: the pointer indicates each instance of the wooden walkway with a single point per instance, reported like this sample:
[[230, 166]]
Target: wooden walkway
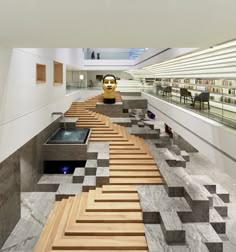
[[108, 218]]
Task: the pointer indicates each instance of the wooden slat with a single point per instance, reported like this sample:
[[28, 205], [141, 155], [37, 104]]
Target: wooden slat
[[99, 250], [131, 156], [132, 162], [109, 229], [110, 206], [134, 174], [115, 197], [121, 188], [102, 243], [135, 181], [133, 168]]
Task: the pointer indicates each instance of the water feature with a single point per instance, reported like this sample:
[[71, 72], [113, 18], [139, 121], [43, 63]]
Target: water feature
[[69, 136]]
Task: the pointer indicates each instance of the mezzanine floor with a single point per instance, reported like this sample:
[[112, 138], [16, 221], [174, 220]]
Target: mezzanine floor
[[225, 117]]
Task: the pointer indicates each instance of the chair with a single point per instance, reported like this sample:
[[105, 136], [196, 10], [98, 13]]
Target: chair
[[167, 90], [186, 94], [201, 98], [159, 88]]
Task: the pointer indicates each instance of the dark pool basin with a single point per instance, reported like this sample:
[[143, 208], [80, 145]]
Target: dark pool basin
[[69, 136]]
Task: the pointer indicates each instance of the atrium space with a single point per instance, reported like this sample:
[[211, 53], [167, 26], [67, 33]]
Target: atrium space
[[106, 147]]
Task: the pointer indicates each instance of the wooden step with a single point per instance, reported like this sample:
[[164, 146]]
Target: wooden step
[[64, 219], [109, 229], [113, 133], [132, 162], [110, 206], [113, 139], [115, 197], [131, 156], [136, 181], [85, 250], [111, 217], [108, 129], [119, 188], [95, 135], [102, 243], [46, 238], [125, 152], [90, 123], [133, 168], [105, 217], [121, 143], [132, 147], [134, 174], [90, 126]]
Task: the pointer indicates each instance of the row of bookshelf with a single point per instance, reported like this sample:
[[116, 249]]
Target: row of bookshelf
[[219, 99], [211, 89], [220, 82]]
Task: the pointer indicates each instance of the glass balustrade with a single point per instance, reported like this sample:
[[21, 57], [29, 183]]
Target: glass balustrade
[[214, 99], [112, 53]]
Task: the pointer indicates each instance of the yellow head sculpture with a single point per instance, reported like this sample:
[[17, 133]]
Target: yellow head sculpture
[[109, 87]]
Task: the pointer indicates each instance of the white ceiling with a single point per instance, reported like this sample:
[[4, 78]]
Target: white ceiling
[[116, 23]]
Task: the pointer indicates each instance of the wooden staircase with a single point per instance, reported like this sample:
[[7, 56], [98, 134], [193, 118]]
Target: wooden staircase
[[107, 218]]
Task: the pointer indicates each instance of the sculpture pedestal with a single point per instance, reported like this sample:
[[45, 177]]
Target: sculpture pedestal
[[111, 110]]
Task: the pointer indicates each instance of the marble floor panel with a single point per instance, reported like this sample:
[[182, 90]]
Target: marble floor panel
[[200, 165], [156, 241], [55, 179], [35, 208]]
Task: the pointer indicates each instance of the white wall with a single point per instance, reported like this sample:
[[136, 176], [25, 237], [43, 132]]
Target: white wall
[[206, 135], [26, 107]]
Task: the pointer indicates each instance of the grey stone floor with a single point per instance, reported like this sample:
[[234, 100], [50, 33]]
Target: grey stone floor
[[199, 164], [35, 208]]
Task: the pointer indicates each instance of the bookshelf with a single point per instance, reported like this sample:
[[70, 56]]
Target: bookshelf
[[222, 92]]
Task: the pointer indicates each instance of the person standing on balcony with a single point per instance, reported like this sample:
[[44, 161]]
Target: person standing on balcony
[[93, 55]]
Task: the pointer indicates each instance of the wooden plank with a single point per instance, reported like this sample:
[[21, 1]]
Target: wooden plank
[[111, 217], [136, 181], [47, 236], [133, 168], [99, 250], [63, 220], [109, 229], [95, 135], [132, 162], [113, 139], [131, 156], [113, 147], [110, 206], [121, 143], [102, 243], [105, 217], [119, 188], [115, 197], [73, 212], [134, 174], [125, 152]]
